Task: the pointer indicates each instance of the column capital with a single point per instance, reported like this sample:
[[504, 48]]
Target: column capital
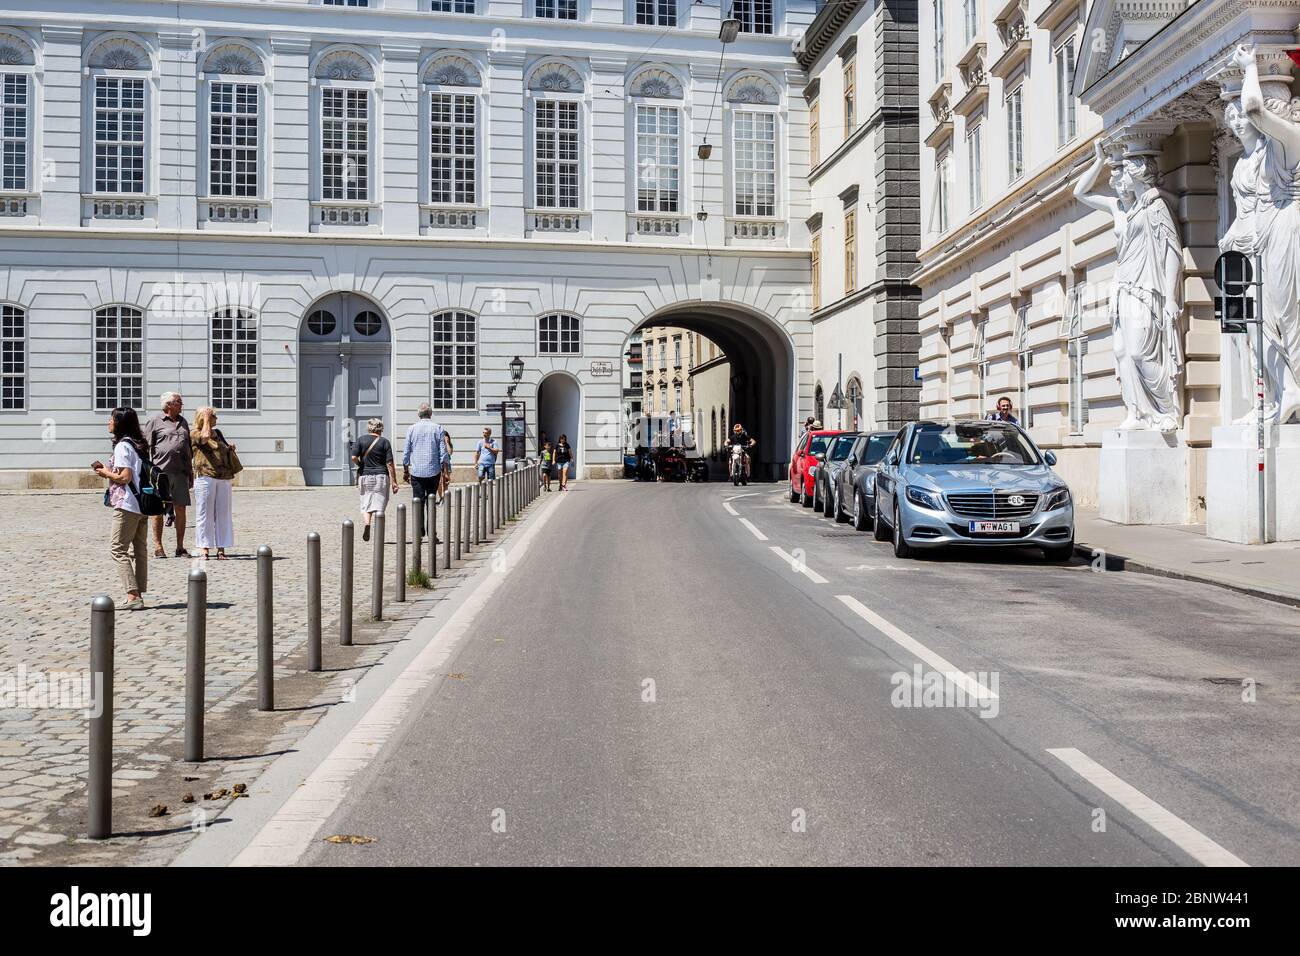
[[404, 52], [290, 44], [507, 58], [62, 34], [1139, 139]]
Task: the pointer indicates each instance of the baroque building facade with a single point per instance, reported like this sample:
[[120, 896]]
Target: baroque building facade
[[309, 214]]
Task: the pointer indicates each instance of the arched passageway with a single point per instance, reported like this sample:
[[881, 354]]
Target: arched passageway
[[559, 412]]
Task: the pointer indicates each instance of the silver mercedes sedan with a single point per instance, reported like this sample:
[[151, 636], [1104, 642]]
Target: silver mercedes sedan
[[976, 483]]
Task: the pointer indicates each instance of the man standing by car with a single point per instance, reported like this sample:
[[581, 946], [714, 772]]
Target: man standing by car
[[167, 443], [1003, 412]]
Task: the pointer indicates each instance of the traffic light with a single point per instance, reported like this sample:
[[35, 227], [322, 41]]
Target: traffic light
[[1234, 306]]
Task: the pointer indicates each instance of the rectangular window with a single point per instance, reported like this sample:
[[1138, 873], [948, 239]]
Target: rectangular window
[[816, 271], [677, 353], [850, 250], [1066, 115], [663, 353], [345, 144], [453, 6], [1026, 361], [939, 51], [942, 170], [13, 358], [1015, 136], [557, 154], [754, 143], [14, 126], [119, 134], [234, 360], [455, 361], [755, 16], [972, 18], [232, 139], [452, 147], [556, 9], [975, 166], [850, 97], [119, 357], [656, 13], [657, 158], [558, 335], [1076, 350], [814, 133]]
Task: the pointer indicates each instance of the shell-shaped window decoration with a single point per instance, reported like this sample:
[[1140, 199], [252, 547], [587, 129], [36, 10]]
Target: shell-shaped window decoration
[[344, 65], [753, 89], [233, 59], [14, 51], [452, 70], [556, 78], [658, 84], [120, 53]]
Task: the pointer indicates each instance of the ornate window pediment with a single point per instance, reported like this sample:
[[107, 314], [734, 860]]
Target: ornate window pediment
[[658, 84], [452, 70], [344, 65], [120, 53], [15, 51], [751, 88], [556, 78], [233, 59]]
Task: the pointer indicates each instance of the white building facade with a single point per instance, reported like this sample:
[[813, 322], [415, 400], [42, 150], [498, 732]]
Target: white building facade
[[307, 215]]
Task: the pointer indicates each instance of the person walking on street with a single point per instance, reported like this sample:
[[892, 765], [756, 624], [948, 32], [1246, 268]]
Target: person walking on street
[[167, 444], [422, 457], [547, 455], [563, 455], [130, 527], [215, 466], [444, 481], [376, 476], [485, 456]]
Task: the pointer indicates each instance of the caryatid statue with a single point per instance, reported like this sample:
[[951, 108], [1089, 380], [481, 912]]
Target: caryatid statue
[[1272, 168], [1146, 300]]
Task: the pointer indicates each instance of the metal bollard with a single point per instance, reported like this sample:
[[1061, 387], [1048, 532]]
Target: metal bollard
[[482, 514], [432, 526], [100, 785], [493, 493], [470, 495], [313, 602], [377, 568], [401, 554], [417, 542], [446, 532], [265, 626], [460, 520], [345, 587], [196, 641]]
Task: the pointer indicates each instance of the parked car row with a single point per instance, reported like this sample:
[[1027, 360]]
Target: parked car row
[[932, 484]]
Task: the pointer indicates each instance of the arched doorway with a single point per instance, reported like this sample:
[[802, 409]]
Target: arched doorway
[[559, 412], [344, 379]]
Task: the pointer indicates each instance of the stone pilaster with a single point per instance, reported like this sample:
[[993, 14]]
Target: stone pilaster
[[290, 134]]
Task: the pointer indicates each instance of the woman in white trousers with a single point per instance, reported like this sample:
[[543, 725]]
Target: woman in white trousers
[[214, 466]]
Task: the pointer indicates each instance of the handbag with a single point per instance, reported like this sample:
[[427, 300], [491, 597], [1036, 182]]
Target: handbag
[[361, 459], [233, 464]]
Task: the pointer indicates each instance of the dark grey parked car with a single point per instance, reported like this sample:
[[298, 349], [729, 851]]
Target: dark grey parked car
[[837, 453], [853, 495]]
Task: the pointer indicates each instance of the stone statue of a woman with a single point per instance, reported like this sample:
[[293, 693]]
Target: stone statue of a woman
[[1277, 236], [1146, 301]]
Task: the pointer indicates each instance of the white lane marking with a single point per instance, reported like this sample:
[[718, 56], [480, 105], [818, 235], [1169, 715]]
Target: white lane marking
[[750, 525], [974, 689], [287, 835], [799, 566], [750, 494], [731, 510], [1173, 828]]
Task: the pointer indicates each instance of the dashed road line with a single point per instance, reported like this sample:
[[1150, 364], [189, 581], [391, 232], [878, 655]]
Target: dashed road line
[[973, 689], [750, 494], [1178, 831], [799, 566], [754, 531]]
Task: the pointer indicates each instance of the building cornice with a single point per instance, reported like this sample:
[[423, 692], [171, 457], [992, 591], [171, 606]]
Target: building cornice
[[882, 116], [821, 33]]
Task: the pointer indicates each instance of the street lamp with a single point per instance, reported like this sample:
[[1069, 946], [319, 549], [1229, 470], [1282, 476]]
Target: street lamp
[[729, 30], [516, 375]]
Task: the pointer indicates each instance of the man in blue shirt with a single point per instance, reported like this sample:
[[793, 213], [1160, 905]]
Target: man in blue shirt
[[485, 456], [423, 455]]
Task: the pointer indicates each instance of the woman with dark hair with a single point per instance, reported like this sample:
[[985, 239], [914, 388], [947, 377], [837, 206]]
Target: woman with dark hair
[[130, 527], [563, 457]]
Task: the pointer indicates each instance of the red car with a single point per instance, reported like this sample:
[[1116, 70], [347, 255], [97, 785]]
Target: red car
[[808, 456]]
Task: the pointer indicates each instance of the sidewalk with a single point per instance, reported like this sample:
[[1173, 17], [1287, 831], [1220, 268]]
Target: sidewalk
[[1270, 571]]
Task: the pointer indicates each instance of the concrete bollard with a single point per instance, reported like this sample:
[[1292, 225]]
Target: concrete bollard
[[313, 602], [100, 784], [400, 596], [446, 531], [345, 586], [432, 525], [377, 568], [196, 642], [265, 631]]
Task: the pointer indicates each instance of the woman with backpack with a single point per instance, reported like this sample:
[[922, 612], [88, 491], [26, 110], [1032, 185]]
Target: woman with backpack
[[215, 466], [376, 473], [130, 527]]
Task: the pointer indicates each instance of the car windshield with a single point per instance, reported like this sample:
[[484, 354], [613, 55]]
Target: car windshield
[[817, 444], [877, 445], [971, 443], [840, 448]]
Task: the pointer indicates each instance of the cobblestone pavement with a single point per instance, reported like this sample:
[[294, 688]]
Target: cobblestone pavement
[[57, 559]]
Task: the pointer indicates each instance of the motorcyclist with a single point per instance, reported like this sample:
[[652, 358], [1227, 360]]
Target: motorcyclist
[[745, 440]]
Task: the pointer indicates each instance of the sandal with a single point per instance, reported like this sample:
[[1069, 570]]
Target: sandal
[[182, 553], [159, 553], [221, 555]]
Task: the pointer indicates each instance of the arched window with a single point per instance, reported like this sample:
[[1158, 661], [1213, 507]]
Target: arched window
[[119, 357], [559, 334], [855, 403], [233, 74], [13, 358], [556, 91], [17, 96], [121, 98], [455, 361], [454, 87], [345, 91], [234, 359], [753, 104], [819, 403], [656, 96]]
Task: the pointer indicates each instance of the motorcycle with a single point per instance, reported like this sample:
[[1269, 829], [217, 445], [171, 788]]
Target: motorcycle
[[737, 469]]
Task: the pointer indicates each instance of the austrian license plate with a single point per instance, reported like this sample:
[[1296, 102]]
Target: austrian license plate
[[994, 527]]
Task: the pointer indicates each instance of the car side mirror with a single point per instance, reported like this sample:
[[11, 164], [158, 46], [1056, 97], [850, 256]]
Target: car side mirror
[[1050, 458], [853, 461]]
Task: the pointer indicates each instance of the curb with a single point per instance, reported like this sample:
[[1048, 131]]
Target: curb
[[1117, 562]]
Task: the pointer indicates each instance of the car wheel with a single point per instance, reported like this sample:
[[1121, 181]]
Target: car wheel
[[859, 513], [804, 498], [841, 515], [879, 529], [1059, 553], [794, 495], [901, 548]]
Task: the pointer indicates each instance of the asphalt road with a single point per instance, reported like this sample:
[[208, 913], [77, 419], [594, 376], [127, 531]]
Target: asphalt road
[[1119, 733]]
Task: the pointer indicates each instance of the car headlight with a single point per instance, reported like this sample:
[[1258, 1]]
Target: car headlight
[[923, 498], [1056, 498]]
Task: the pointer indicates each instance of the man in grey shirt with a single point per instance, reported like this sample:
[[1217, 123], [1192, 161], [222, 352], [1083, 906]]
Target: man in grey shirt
[[167, 443]]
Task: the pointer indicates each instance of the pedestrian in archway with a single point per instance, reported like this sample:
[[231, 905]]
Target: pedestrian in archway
[[376, 473], [563, 457], [548, 455]]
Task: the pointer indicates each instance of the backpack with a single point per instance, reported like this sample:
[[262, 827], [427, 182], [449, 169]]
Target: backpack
[[154, 493]]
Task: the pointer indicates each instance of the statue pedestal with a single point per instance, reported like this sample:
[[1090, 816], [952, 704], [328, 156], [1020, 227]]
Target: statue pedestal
[[1232, 482], [1142, 478]]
